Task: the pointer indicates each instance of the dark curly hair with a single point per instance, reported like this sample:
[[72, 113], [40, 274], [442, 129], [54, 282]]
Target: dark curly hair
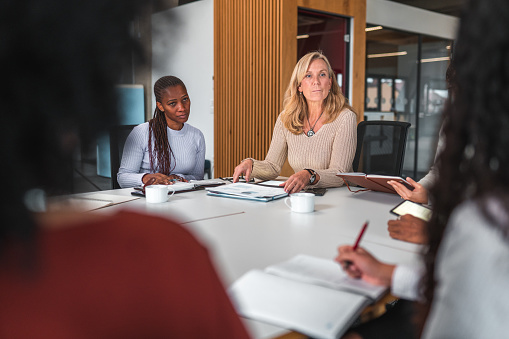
[[60, 61], [474, 164]]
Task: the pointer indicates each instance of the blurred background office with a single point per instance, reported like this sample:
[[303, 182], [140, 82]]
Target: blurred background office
[[236, 58]]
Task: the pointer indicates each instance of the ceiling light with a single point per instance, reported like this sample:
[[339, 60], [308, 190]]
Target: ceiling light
[[383, 55], [435, 59], [374, 28]]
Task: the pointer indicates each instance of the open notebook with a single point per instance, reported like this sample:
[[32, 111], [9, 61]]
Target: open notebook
[[310, 295]]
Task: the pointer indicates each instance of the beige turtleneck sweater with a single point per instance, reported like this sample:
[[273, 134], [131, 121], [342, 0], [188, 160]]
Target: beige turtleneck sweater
[[329, 151]]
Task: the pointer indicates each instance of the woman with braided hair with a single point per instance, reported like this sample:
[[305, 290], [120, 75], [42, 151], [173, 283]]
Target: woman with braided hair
[[177, 149]]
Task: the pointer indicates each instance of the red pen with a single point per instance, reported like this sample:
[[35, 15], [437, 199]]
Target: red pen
[[357, 242], [360, 235]]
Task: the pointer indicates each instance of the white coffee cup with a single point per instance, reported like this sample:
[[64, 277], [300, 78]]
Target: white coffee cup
[[156, 194], [301, 202]]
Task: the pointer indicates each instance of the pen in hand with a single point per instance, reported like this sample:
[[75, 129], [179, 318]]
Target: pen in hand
[[357, 242]]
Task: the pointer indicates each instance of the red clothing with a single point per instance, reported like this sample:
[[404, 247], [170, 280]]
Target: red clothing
[[126, 276]]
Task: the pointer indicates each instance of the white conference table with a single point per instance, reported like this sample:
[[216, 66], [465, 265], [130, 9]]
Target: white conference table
[[242, 235]]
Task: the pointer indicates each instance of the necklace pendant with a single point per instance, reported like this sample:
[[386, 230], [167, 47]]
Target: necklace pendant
[[310, 133]]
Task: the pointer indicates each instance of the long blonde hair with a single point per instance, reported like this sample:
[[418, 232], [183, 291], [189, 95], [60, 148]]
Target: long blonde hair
[[295, 106]]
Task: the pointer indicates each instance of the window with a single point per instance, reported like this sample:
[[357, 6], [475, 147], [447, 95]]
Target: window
[[405, 81]]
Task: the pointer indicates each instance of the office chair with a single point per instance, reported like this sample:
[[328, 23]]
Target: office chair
[[380, 147], [208, 169], [118, 136]]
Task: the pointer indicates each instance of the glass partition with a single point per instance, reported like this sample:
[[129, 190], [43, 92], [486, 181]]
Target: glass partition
[[405, 81], [329, 34]]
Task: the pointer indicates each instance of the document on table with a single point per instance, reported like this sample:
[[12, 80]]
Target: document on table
[[306, 294], [271, 183], [248, 191], [208, 182], [179, 187]]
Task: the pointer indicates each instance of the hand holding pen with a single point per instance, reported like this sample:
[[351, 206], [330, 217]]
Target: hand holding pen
[[360, 264], [347, 263]]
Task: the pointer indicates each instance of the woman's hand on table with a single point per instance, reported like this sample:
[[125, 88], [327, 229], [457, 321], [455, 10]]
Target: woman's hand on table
[[243, 169], [419, 194], [408, 228], [360, 264], [161, 179], [296, 182]]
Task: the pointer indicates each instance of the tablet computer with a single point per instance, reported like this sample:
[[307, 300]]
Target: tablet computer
[[413, 208]]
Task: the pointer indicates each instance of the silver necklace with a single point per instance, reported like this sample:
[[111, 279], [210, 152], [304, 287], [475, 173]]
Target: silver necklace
[[310, 133]]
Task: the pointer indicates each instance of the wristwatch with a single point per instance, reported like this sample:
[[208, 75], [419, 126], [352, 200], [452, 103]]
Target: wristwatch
[[313, 175]]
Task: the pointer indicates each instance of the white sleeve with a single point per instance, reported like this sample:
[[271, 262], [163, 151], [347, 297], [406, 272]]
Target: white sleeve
[[406, 280]]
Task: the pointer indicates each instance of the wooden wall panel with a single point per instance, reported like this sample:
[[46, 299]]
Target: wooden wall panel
[[246, 79], [255, 51]]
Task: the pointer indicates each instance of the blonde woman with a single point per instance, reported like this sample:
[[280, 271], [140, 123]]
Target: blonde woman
[[317, 131]]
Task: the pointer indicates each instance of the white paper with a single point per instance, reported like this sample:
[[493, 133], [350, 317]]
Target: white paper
[[316, 311], [248, 190], [207, 182], [181, 186], [323, 272], [273, 183]]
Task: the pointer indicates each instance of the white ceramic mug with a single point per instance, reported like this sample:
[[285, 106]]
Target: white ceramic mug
[[155, 194], [301, 202]]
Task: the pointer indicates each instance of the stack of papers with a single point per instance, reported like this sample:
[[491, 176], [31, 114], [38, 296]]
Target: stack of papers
[[181, 186], [248, 191], [207, 182]]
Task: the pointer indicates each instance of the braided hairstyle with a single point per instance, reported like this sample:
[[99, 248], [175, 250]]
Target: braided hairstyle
[[157, 129]]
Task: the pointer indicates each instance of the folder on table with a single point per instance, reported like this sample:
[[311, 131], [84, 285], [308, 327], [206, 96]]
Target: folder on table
[[374, 182], [248, 191]]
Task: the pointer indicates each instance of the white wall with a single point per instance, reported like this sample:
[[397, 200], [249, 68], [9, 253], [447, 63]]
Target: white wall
[[183, 46], [411, 19]]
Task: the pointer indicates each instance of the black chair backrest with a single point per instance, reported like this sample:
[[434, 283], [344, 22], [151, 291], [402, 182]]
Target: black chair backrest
[[208, 169], [118, 136], [380, 147]]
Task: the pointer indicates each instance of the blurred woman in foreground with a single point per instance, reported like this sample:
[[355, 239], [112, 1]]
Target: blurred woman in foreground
[[76, 275], [466, 279]]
